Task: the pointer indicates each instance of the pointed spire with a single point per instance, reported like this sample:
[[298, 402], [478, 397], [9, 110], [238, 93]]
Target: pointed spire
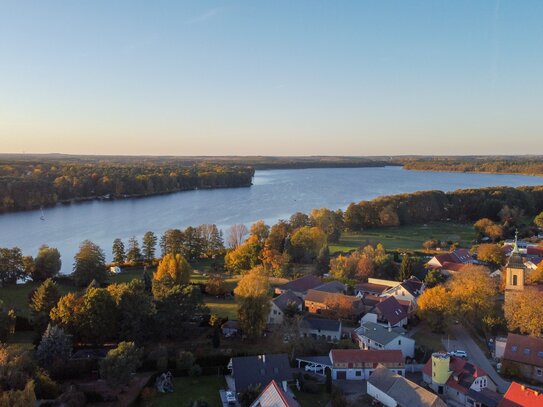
[[515, 246]]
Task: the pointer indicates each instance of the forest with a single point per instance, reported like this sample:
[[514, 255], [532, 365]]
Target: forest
[[30, 184]]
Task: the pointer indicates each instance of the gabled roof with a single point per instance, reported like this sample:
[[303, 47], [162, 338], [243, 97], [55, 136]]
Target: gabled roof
[[391, 310], [413, 285], [453, 266], [535, 250], [302, 284], [320, 324], [260, 370], [403, 391], [521, 396], [524, 349], [372, 288], [486, 397], [463, 373], [461, 256], [331, 287], [288, 297], [379, 333], [274, 396], [366, 356], [322, 296]]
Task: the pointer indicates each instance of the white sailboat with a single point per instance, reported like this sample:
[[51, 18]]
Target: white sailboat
[[42, 217]]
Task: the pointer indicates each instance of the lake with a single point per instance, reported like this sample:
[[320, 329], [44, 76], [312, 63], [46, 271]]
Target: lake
[[276, 194]]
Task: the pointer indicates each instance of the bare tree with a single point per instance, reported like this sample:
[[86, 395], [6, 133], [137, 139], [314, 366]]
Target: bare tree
[[236, 235]]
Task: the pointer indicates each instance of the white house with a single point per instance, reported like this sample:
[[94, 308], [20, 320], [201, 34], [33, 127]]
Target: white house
[[371, 335], [358, 364], [279, 305]]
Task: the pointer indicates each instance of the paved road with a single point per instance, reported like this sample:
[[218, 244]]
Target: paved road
[[475, 354]]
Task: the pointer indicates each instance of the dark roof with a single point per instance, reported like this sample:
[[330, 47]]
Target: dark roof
[[331, 287], [320, 324], [462, 256], [260, 370], [413, 285], [391, 310], [274, 396], [288, 297], [519, 395], [302, 284], [524, 349], [486, 396], [515, 261], [322, 296], [366, 356], [535, 250], [231, 324], [372, 288]]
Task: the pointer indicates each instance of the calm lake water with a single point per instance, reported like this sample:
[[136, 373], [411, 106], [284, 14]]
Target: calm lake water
[[276, 194]]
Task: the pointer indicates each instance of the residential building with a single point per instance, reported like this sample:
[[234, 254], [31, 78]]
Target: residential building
[[363, 289], [300, 286], [391, 390], [251, 371], [371, 335], [322, 302], [230, 327], [458, 256], [518, 395], [391, 312], [279, 305], [320, 328], [274, 396], [358, 364], [525, 355], [333, 286], [460, 380]]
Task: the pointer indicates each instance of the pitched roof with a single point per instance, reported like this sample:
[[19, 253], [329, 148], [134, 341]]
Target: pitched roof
[[463, 373], [458, 256], [391, 310], [413, 285], [521, 396], [320, 324], [288, 297], [486, 397], [331, 287], [372, 288], [322, 296], [515, 261], [231, 324], [403, 391], [302, 284], [254, 370], [365, 356], [379, 333], [453, 266], [524, 349], [274, 396], [535, 250]]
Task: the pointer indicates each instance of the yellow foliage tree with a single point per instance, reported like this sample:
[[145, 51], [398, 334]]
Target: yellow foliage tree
[[434, 305], [253, 298], [523, 311], [173, 267]]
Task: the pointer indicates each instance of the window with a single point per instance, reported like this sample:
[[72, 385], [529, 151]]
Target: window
[[515, 278], [526, 351], [399, 341], [358, 373], [539, 372], [514, 348], [540, 354]]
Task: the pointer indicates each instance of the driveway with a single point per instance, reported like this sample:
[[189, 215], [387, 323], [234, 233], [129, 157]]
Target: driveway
[[475, 354]]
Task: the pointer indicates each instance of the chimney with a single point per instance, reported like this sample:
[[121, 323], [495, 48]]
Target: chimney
[[389, 327], [263, 358]]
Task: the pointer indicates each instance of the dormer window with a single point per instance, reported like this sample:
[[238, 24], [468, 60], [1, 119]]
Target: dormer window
[[514, 348], [526, 351]]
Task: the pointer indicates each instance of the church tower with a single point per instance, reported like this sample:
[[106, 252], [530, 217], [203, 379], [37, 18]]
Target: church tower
[[515, 270]]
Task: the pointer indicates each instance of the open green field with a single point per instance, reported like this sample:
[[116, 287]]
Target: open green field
[[407, 237], [186, 389], [222, 307]]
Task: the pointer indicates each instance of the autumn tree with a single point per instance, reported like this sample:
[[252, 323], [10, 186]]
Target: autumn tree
[[98, 316], [253, 298], [538, 220], [119, 255], [523, 311], [323, 260], [536, 276], [90, 264], [43, 300], [306, 243], [11, 265], [260, 230], [365, 267], [486, 227], [212, 240], [433, 278], [331, 223], [149, 246], [406, 268], [66, 313], [173, 269], [244, 256], [216, 286], [491, 253], [339, 306], [434, 304], [235, 235], [298, 220], [47, 263]]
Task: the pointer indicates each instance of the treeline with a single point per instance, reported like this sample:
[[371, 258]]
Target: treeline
[[31, 184], [526, 165], [464, 205]]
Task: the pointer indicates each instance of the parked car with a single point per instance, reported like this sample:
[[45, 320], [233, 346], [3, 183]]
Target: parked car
[[459, 354], [231, 397], [311, 368]]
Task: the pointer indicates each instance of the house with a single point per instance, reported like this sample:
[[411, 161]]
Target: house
[[525, 354], [319, 328], [536, 251], [274, 396], [332, 287], [251, 371], [391, 390], [451, 268], [371, 335], [321, 302], [408, 290], [458, 256], [519, 395], [358, 364], [279, 305], [455, 378], [368, 288], [300, 286], [516, 272], [230, 328], [391, 312]]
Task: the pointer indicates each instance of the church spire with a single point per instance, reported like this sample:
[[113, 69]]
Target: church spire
[[515, 246]]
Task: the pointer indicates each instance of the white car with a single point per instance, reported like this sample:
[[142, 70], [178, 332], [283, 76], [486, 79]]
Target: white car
[[231, 397], [459, 354]]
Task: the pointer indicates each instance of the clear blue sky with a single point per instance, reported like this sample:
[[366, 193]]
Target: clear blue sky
[[271, 78]]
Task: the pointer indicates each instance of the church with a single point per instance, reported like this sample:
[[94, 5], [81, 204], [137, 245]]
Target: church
[[516, 273]]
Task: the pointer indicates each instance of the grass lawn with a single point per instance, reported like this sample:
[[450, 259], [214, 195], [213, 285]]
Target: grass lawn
[[406, 237], [312, 400], [191, 388], [222, 307]]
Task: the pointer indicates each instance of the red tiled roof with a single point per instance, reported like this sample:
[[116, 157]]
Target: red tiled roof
[[391, 310], [453, 266], [524, 349], [535, 250], [274, 396], [462, 376], [366, 356], [521, 396]]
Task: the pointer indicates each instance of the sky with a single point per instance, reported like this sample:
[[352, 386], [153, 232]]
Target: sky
[[271, 77]]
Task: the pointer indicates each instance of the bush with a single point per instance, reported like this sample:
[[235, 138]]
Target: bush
[[46, 388], [184, 362], [195, 371], [120, 363]]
